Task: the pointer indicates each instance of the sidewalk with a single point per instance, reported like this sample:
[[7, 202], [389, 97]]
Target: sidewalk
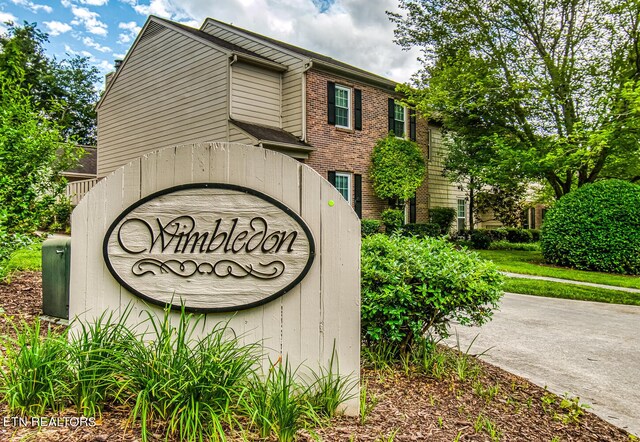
[[571, 281]]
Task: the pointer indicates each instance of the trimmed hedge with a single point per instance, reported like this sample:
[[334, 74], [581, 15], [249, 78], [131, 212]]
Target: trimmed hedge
[[369, 227], [393, 219], [596, 227], [480, 240], [412, 288], [442, 216], [422, 230]]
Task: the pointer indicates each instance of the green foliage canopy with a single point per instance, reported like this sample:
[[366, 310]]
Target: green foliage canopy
[[397, 168], [64, 90], [597, 227], [531, 89], [32, 153]]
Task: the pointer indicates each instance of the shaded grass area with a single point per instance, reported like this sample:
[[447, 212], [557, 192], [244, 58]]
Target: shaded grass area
[[569, 291], [26, 259], [532, 263]]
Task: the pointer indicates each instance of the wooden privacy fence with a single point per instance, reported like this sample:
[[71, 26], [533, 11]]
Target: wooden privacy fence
[[76, 190], [308, 321]]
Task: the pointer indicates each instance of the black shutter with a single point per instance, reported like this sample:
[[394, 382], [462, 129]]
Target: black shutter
[[357, 98], [412, 125], [331, 102], [392, 114], [412, 210], [331, 177], [358, 197]]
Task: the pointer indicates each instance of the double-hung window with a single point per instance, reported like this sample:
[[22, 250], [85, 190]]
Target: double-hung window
[[399, 120], [402, 122], [462, 214], [343, 107], [343, 184]]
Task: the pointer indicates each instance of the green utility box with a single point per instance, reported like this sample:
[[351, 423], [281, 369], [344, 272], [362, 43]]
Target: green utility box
[[56, 269]]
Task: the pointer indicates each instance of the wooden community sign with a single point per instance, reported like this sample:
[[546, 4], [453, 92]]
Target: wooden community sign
[[211, 247], [246, 236]]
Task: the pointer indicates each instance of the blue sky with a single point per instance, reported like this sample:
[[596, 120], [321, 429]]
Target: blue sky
[[354, 31]]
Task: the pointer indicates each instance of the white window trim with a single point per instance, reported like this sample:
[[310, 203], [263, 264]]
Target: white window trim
[[405, 122], [349, 106], [464, 215], [349, 183]]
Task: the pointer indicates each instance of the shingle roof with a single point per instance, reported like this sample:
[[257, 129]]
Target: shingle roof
[[213, 39], [304, 52], [87, 165], [266, 133]]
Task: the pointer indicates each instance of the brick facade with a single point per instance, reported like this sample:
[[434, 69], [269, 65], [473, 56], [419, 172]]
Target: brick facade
[[349, 151]]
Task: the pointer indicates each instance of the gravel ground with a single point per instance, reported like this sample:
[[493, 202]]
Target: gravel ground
[[405, 407]]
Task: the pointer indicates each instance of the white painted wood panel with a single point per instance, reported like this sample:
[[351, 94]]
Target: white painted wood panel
[[303, 324]]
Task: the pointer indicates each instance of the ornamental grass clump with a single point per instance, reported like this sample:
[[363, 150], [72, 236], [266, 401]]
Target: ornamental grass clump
[[412, 288]]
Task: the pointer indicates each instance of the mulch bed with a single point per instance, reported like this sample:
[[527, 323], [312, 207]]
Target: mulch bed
[[409, 407]]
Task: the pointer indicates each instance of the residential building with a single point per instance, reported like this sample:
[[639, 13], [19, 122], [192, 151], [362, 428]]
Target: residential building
[[180, 85]]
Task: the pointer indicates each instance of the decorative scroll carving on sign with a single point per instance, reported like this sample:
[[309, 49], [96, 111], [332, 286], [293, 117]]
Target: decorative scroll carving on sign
[[211, 247]]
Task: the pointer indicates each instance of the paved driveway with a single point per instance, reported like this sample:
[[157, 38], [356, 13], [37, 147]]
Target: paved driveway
[[587, 349]]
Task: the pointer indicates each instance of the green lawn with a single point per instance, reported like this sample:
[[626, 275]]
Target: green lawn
[[29, 258], [532, 263], [569, 291]]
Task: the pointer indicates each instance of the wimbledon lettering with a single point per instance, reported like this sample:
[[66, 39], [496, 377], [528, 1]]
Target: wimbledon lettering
[[181, 235]]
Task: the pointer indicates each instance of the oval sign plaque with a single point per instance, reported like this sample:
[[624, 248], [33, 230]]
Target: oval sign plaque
[[212, 247]]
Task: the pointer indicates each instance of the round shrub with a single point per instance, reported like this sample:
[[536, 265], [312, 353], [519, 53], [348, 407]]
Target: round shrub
[[369, 227], [596, 227], [480, 240], [442, 216], [412, 288], [393, 220], [517, 235]]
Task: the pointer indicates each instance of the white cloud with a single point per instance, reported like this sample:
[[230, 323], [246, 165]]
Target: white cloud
[[94, 2], [105, 66], [357, 32], [89, 19], [33, 7], [55, 28], [65, 3], [132, 29], [95, 45], [119, 56], [69, 50], [5, 17]]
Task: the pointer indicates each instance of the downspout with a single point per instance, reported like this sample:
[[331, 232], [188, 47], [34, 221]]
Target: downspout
[[307, 66], [232, 60]]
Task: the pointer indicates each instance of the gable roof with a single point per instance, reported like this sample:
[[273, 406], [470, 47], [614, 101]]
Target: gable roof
[[322, 60]]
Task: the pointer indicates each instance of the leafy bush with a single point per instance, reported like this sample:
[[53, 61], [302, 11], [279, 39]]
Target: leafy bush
[[517, 235], [369, 227], [412, 288], [596, 227], [480, 240], [10, 243], [506, 245], [535, 235], [498, 234], [397, 168], [422, 230], [443, 217], [393, 220]]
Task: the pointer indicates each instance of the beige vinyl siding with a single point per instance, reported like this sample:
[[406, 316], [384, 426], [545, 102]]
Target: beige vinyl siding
[[172, 90], [255, 95], [442, 192], [291, 79], [238, 136]]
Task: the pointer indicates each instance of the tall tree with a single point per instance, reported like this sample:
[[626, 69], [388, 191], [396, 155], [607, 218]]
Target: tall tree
[[548, 89], [64, 90], [32, 153]]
